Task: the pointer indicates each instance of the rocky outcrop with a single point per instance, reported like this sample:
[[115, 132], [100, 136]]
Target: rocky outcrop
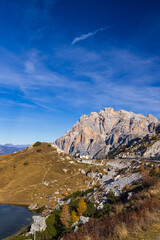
[[99, 133], [33, 207], [38, 225], [148, 147], [153, 151]]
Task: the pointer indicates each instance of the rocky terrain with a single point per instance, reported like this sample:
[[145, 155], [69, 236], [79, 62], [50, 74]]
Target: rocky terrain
[[99, 133], [147, 147]]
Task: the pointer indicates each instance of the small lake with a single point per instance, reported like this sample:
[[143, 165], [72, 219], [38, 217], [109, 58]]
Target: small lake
[[13, 219]]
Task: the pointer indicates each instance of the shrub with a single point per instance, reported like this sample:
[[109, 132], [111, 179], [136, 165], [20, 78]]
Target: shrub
[[50, 230], [49, 145], [106, 208], [37, 144], [90, 209], [112, 197], [126, 187], [14, 166], [154, 172], [39, 150], [90, 190], [73, 205], [116, 151], [74, 195], [103, 172], [26, 163]]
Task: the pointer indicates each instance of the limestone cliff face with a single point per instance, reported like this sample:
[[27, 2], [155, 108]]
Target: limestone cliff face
[[153, 151], [99, 133]]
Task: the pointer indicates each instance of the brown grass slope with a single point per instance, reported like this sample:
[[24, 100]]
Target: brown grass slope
[[23, 175]]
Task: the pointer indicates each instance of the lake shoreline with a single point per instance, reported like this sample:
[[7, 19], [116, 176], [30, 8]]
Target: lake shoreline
[[17, 233], [14, 219]]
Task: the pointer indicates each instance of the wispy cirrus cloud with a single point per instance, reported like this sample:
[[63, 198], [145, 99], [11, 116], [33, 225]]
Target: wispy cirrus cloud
[[115, 77], [121, 78], [90, 34]]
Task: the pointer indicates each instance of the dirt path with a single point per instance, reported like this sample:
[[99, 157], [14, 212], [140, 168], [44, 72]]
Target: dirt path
[[72, 176], [46, 174], [43, 179]]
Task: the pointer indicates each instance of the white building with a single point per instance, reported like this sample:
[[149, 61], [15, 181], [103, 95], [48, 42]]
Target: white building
[[83, 155]]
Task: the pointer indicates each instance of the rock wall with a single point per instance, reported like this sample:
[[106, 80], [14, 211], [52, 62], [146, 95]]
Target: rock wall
[[99, 133]]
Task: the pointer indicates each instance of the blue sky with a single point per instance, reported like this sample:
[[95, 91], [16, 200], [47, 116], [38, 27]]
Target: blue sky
[[60, 59]]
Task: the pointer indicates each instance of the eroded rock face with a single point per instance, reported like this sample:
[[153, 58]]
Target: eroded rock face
[[153, 151], [99, 133]]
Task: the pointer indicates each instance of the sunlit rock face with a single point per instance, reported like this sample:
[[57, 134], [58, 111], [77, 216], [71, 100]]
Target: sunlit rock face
[[99, 133], [153, 151]]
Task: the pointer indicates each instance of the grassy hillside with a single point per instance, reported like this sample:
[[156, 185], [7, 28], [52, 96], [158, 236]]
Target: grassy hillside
[[39, 174]]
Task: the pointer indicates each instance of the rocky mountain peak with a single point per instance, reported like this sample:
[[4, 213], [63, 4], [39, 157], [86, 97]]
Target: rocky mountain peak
[[99, 133], [152, 118], [108, 110]]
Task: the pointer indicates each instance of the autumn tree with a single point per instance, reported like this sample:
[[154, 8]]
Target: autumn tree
[[142, 169], [153, 137], [144, 172], [82, 207], [103, 172], [65, 215], [54, 206], [98, 183], [157, 169], [74, 217], [126, 187]]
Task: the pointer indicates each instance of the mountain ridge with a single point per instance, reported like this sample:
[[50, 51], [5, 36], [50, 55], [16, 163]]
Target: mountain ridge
[[98, 133], [10, 148]]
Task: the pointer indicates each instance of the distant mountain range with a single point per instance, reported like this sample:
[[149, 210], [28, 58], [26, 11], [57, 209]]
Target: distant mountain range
[[10, 148], [100, 133]]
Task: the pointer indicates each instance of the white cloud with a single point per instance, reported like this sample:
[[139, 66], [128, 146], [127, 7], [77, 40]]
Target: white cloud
[[84, 36]]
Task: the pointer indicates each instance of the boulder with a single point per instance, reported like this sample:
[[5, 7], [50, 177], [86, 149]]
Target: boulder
[[33, 206], [83, 171], [91, 174], [83, 220], [76, 229], [100, 206]]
